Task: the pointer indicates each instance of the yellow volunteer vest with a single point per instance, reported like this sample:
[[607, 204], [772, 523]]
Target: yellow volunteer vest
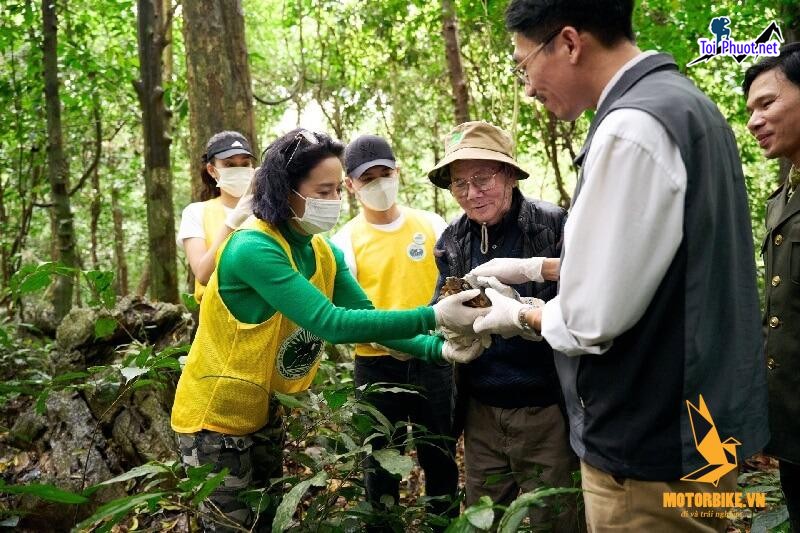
[[232, 366], [396, 268], [213, 219]]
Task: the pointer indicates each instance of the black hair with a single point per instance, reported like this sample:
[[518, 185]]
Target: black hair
[[285, 164], [210, 189], [788, 62], [610, 21]]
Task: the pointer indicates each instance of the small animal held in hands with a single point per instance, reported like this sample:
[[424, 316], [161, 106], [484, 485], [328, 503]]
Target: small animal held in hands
[[453, 285]]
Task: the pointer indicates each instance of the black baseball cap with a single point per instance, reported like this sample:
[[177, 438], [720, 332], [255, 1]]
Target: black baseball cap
[[366, 152], [226, 144]]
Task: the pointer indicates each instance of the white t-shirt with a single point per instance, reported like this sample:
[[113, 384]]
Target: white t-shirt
[[343, 241], [191, 225]]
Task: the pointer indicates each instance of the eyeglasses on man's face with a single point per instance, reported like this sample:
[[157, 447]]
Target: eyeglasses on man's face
[[519, 70], [483, 181]]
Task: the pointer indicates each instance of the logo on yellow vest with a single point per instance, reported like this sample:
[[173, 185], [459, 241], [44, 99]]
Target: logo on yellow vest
[[298, 353], [720, 456]]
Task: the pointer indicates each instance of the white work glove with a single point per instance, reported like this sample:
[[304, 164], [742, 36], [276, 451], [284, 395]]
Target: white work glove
[[451, 313], [494, 283], [464, 339], [503, 318], [243, 208], [461, 353], [512, 271]]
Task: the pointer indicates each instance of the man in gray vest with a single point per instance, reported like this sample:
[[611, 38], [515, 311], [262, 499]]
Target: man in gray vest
[[657, 319], [772, 89]]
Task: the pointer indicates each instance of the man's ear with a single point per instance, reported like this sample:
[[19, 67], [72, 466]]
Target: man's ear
[[348, 182], [574, 42]]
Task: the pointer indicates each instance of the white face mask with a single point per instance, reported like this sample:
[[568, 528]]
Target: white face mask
[[234, 180], [381, 193], [319, 215]]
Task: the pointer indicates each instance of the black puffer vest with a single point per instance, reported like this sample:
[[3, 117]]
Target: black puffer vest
[[542, 225], [511, 373]]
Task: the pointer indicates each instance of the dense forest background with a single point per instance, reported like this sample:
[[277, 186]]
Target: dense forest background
[[78, 188], [107, 105]]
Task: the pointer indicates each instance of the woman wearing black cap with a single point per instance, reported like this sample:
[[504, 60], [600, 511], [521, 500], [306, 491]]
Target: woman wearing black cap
[[279, 291], [226, 172]]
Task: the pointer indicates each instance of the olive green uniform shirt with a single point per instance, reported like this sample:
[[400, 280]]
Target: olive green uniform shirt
[[781, 251]]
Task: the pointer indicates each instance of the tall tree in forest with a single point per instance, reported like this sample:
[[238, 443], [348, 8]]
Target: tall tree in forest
[[152, 25], [218, 76], [790, 18], [57, 165], [454, 67]]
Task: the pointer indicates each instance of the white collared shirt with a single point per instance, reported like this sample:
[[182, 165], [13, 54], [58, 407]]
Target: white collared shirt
[[621, 234]]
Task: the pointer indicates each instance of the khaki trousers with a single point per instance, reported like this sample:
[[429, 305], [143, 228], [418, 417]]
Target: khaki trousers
[[508, 451], [616, 504]]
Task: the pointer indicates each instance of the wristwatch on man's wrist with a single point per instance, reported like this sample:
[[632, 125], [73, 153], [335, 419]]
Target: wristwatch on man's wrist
[[523, 324]]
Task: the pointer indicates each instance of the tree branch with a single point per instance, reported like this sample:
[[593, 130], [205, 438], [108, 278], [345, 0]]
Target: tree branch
[[98, 148], [292, 93]]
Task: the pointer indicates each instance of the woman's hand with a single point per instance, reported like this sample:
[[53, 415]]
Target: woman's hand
[[462, 353], [452, 314], [244, 207]]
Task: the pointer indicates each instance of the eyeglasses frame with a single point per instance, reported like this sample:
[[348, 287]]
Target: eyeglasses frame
[[470, 182], [519, 70]]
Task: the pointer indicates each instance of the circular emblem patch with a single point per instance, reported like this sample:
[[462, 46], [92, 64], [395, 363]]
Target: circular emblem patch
[[298, 353], [418, 238], [416, 252]]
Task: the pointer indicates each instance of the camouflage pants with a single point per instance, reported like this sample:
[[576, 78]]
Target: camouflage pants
[[251, 461]]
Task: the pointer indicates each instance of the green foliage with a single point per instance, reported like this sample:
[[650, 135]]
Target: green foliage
[[518, 509], [189, 302], [769, 520], [481, 516], [144, 367], [34, 278], [351, 70], [478, 517], [114, 511], [393, 462], [775, 517], [291, 500], [101, 284], [45, 492]]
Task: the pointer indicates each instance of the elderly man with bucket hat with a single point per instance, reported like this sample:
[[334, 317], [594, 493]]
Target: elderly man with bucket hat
[[515, 434]]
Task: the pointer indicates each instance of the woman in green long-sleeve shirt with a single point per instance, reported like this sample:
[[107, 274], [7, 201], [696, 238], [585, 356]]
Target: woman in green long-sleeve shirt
[[278, 292]]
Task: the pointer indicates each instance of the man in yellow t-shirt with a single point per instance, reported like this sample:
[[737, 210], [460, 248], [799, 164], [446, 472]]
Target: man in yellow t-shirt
[[389, 250]]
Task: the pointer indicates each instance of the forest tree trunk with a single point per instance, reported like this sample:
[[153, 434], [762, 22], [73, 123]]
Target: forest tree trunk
[[790, 26], [454, 66], [57, 166], [121, 274], [157, 175], [217, 75], [96, 204]]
